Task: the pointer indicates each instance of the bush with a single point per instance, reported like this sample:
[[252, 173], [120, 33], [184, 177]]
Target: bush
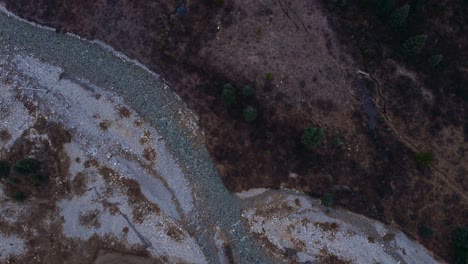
[[435, 60], [269, 76], [414, 45], [250, 113], [26, 166], [327, 200], [4, 168], [248, 91], [229, 95], [312, 137], [426, 232], [424, 158], [399, 17], [460, 245]]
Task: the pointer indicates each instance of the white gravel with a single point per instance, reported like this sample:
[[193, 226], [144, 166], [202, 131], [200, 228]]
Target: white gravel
[[312, 233], [10, 246], [13, 115], [81, 108]]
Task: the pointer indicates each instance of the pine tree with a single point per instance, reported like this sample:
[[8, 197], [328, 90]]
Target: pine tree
[[250, 113], [312, 137], [399, 17], [229, 95], [248, 91], [414, 45]]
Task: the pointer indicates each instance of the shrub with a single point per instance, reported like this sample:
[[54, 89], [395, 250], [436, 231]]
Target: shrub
[[435, 60], [229, 95], [327, 200], [269, 76], [460, 245], [399, 16], [414, 45], [18, 196], [250, 113], [312, 137], [337, 141], [4, 168], [426, 232], [219, 3], [26, 166], [248, 91], [424, 158]]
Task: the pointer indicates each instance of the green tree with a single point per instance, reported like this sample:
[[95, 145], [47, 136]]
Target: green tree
[[426, 232], [269, 76], [337, 141], [250, 113], [26, 166], [18, 196], [385, 6], [327, 200], [229, 95], [424, 158], [460, 245], [229, 86], [435, 60], [37, 179], [414, 45], [248, 91], [13, 180], [418, 5], [219, 3], [4, 168], [312, 137], [399, 16]]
